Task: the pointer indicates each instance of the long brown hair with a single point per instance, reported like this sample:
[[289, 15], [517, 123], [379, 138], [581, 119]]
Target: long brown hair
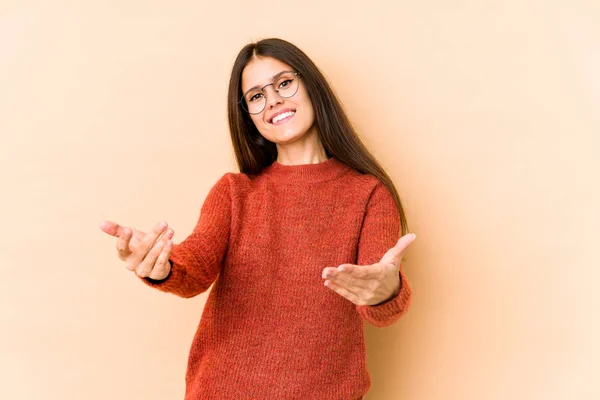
[[254, 153]]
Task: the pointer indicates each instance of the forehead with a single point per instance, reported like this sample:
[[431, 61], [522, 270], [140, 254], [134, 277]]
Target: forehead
[[260, 70]]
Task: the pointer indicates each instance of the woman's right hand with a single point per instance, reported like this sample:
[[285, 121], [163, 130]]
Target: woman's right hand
[[145, 253]]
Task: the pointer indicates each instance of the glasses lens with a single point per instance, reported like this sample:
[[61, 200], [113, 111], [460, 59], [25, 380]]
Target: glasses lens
[[286, 84], [254, 101]]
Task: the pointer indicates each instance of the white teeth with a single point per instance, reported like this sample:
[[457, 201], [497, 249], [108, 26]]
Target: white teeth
[[282, 116]]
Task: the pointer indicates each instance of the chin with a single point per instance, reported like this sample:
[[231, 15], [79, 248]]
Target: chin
[[289, 135], [285, 139]]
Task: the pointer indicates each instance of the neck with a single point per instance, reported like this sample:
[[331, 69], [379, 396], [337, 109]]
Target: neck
[[307, 150]]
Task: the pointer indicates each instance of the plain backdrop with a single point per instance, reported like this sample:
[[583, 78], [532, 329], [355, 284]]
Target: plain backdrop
[[485, 113]]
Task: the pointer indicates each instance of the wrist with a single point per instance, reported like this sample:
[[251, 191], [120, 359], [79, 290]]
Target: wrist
[[394, 294]]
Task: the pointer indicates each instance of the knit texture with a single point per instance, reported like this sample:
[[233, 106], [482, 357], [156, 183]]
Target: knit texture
[[270, 329]]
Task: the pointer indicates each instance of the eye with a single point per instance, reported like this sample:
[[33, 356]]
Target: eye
[[285, 83], [254, 97]]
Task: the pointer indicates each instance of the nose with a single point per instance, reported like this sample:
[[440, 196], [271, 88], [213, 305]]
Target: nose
[[273, 98]]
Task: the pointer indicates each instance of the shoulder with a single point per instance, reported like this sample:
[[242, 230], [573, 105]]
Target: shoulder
[[233, 178], [237, 184], [366, 185]]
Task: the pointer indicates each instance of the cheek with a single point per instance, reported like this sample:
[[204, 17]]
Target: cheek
[[309, 113], [262, 127], [306, 106], [258, 121]]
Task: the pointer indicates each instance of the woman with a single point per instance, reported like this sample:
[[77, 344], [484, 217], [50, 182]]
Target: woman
[[301, 245]]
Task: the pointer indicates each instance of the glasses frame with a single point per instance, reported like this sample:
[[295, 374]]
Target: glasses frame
[[242, 101]]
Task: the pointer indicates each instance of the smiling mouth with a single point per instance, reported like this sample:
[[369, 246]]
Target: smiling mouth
[[283, 117]]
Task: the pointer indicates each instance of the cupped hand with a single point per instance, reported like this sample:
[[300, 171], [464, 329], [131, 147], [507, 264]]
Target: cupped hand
[[369, 284], [145, 253]]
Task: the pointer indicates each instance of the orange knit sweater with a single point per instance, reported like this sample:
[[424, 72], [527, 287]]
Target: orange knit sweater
[[270, 329]]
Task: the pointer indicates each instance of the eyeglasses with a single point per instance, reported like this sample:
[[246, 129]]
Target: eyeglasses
[[285, 84]]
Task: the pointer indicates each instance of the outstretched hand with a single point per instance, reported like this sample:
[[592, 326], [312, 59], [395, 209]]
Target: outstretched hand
[[369, 284], [145, 253]]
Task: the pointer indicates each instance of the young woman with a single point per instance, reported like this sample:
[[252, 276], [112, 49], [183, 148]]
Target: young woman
[[301, 245]]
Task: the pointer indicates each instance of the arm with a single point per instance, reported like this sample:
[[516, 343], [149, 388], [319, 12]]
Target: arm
[[196, 262], [380, 231]]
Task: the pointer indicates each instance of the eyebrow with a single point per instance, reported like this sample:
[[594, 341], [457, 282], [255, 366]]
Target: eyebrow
[[272, 79]]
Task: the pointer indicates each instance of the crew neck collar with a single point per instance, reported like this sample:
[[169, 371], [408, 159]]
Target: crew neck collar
[[306, 173]]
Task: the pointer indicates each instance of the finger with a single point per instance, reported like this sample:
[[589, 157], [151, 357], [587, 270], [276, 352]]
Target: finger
[[147, 243], [123, 249], [162, 267], [111, 228], [360, 271], [344, 292], [360, 288], [329, 272], [148, 264], [345, 277], [334, 272], [145, 267], [395, 254]]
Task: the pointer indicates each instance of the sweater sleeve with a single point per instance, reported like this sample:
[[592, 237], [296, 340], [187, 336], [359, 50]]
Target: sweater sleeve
[[197, 260], [379, 233]]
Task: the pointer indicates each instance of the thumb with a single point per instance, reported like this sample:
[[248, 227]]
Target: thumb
[[111, 228], [395, 254]]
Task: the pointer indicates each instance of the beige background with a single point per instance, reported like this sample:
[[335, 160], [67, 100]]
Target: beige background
[[486, 114]]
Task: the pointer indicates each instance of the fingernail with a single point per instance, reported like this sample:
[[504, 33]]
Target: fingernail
[[162, 225]]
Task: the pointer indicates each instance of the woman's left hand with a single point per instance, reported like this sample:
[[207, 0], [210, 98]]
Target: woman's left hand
[[369, 284]]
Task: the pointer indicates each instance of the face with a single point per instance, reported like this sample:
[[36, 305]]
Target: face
[[283, 120]]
